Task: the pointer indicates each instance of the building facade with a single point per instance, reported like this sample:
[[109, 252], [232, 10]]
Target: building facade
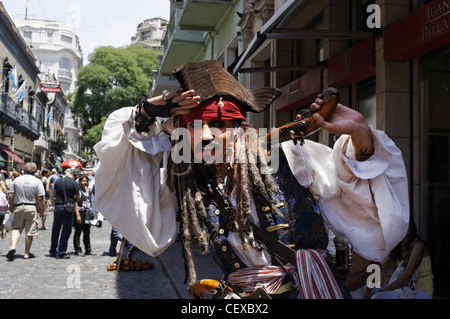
[[390, 61], [150, 33], [59, 56], [20, 82]]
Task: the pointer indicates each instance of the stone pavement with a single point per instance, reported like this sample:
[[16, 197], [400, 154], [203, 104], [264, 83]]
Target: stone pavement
[[44, 277]]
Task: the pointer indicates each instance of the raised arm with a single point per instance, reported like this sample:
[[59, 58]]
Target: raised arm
[[348, 121]]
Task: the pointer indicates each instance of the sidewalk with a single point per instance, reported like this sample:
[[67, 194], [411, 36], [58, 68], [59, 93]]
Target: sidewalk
[[44, 277]]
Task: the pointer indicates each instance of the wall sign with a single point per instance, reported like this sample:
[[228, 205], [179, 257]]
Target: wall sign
[[422, 31]]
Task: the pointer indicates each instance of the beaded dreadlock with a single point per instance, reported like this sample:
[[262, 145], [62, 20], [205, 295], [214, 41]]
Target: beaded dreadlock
[[249, 162]]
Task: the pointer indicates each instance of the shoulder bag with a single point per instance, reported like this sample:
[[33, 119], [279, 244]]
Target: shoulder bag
[[8, 221], [69, 206]]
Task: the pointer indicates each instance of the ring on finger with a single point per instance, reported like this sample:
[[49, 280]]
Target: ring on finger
[[164, 94]]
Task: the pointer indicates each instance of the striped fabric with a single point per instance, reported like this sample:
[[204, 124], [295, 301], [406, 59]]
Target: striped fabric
[[313, 276], [315, 280], [252, 278]]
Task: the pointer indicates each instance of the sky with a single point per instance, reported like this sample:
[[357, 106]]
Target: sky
[[96, 22]]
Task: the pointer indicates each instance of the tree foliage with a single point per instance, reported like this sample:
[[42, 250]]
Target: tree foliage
[[114, 78], [94, 134]]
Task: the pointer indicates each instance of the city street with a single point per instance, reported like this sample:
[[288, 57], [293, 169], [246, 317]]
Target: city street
[[44, 277], [375, 158], [85, 282]]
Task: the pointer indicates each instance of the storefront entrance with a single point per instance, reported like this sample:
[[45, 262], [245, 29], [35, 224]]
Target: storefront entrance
[[435, 142]]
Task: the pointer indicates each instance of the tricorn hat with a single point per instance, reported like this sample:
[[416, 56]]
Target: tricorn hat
[[209, 79]]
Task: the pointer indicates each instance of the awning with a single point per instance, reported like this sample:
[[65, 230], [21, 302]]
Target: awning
[[11, 153], [273, 29], [260, 37]]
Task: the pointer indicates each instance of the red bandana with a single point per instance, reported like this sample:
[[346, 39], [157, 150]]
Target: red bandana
[[216, 109]]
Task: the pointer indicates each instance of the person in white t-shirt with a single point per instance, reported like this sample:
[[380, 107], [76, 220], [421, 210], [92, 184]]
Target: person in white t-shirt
[[26, 193]]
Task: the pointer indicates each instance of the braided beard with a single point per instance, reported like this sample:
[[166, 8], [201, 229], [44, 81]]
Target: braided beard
[[196, 181]]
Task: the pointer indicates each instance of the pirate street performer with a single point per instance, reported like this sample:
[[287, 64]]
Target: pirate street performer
[[222, 189]]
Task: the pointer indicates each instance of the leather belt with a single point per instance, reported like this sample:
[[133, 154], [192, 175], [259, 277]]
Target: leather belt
[[25, 204]]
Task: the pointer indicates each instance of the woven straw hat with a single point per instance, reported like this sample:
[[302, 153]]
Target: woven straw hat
[[209, 79]]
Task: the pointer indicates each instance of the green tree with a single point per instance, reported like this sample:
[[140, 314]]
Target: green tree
[[94, 133], [114, 78]]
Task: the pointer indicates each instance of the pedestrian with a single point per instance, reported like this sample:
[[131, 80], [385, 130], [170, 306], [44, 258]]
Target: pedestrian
[[3, 198], [413, 276], [219, 186], [26, 192], [49, 187], [67, 195], [98, 217], [44, 178], [86, 214], [116, 237], [9, 181]]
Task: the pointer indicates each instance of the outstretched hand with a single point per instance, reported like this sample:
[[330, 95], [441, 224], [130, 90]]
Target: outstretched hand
[[185, 100], [345, 120]]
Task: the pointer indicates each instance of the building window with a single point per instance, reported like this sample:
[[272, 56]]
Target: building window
[[65, 87], [66, 40], [7, 67], [319, 54], [64, 67], [146, 36], [27, 35], [30, 100], [50, 37]]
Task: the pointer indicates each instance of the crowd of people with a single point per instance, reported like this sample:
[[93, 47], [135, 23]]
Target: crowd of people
[[33, 194]]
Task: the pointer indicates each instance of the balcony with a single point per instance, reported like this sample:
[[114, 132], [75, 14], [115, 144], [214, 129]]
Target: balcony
[[65, 73], [12, 114], [204, 15], [180, 45], [41, 144]]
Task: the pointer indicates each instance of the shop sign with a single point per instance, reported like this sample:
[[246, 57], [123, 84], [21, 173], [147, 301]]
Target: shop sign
[[50, 87], [353, 65], [424, 30], [301, 91]]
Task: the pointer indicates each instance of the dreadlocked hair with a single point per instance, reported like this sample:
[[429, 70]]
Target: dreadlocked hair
[[249, 161], [192, 212]]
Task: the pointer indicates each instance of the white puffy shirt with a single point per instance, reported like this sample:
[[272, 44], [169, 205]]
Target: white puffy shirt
[[366, 201]]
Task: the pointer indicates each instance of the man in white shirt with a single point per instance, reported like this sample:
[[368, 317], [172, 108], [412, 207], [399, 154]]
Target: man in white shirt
[[358, 188], [26, 192]]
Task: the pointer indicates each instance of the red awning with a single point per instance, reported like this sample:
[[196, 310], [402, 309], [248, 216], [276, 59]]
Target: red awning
[[11, 153]]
